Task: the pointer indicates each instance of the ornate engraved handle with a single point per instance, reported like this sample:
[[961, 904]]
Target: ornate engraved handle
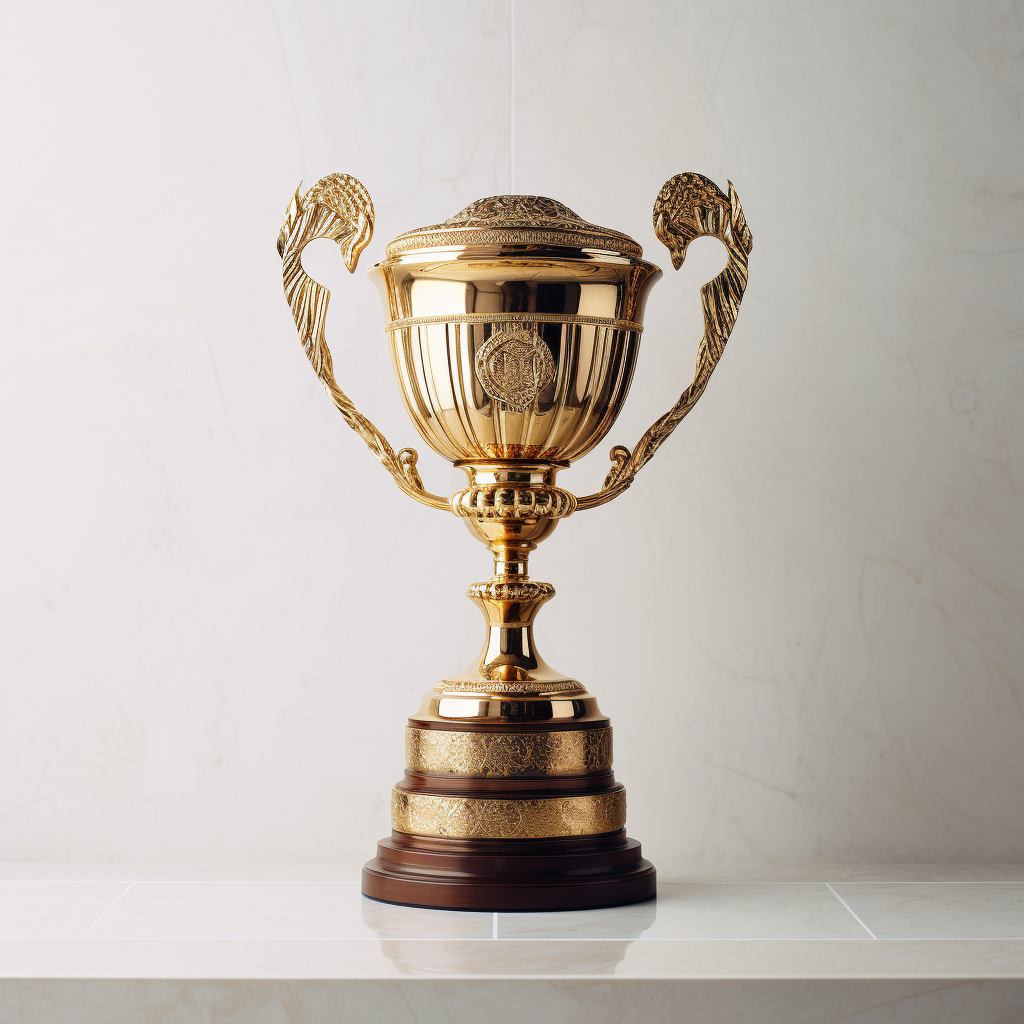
[[689, 206], [338, 207]]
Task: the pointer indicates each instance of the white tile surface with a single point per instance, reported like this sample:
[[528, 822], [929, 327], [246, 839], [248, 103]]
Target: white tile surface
[[836, 873], [991, 910], [274, 910], [696, 911], [126, 874], [44, 909], [368, 959], [216, 928]]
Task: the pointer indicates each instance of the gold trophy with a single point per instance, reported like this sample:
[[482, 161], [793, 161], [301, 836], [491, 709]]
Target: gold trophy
[[514, 329]]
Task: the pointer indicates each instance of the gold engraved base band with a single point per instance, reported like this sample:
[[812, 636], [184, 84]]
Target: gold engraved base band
[[500, 755], [457, 817]]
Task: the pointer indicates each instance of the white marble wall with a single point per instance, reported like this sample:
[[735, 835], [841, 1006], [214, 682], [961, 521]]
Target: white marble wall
[[217, 609]]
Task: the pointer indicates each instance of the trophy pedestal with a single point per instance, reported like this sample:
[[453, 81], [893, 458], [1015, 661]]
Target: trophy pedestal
[[508, 800], [571, 873]]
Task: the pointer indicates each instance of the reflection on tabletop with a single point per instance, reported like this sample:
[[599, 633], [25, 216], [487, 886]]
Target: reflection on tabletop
[[401, 928]]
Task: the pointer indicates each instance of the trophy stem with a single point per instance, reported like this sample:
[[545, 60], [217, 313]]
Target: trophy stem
[[511, 558]]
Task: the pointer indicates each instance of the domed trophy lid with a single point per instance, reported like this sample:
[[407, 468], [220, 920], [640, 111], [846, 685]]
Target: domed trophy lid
[[515, 220]]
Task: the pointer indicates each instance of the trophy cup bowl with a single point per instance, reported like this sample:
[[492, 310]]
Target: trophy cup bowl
[[464, 329], [514, 328]]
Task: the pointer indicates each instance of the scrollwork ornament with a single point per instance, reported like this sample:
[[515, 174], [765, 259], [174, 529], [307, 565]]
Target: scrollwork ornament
[[337, 207], [690, 206]]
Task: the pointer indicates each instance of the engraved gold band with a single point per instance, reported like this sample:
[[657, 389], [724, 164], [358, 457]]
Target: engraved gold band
[[514, 318], [446, 236], [502, 754], [457, 817], [531, 688]]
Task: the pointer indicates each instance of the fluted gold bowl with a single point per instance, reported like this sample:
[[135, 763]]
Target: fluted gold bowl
[[511, 341]]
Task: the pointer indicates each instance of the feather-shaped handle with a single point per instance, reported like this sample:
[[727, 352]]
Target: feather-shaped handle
[[337, 207], [688, 207]]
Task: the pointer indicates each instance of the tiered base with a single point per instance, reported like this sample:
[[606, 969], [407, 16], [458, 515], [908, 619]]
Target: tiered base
[[572, 873]]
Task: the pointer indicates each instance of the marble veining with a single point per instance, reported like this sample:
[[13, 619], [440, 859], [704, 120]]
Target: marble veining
[[825, 601]]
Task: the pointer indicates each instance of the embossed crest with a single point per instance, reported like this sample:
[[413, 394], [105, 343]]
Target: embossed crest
[[514, 366]]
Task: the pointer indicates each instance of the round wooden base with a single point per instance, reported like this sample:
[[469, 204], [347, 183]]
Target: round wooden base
[[573, 873]]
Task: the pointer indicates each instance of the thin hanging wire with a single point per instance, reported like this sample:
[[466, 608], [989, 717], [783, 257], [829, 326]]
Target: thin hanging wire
[[511, 96]]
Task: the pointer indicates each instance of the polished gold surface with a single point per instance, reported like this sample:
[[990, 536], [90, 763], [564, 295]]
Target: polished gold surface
[[518, 493], [458, 817], [509, 663], [496, 709], [561, 410], [514, 329], [504, 754]]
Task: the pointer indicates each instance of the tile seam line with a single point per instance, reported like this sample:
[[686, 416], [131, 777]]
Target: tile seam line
[[856, 916], [107, 911]]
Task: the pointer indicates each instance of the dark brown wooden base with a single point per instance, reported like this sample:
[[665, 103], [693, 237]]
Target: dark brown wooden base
[[574, 873]]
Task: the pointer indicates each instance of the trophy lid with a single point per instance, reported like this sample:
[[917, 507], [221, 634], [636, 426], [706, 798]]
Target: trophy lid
[[515, 220]]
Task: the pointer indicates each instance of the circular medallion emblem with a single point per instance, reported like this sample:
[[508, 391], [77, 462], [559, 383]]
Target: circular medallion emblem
[[514, 366]]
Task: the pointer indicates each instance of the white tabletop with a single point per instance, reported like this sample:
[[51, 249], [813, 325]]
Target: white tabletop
[[311, 924]]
